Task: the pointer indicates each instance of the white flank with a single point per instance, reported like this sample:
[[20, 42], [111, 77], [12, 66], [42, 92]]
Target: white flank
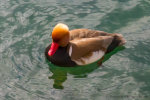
[[95, 56], [70, 51]]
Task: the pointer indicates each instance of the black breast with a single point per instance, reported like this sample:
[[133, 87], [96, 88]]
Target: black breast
[[60, 58]]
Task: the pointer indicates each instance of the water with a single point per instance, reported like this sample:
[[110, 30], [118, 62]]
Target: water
[[25, 27]]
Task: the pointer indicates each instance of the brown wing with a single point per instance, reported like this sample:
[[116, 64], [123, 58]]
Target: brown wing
[[84, 46], [86, 33]]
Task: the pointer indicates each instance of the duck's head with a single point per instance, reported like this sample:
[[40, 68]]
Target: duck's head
[[60, 37]]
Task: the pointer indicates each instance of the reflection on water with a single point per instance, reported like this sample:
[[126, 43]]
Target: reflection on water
[[60, 73]]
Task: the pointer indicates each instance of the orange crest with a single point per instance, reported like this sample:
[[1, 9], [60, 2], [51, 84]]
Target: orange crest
[[59, 31]]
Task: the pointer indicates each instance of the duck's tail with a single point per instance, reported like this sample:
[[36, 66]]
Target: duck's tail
[[117, 41]]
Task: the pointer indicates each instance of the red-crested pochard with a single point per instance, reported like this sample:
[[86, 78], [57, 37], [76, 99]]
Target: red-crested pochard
[[80, 46]]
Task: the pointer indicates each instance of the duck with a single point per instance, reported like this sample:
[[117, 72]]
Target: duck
[[79, 47]]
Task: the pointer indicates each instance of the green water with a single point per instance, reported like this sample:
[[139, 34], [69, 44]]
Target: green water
[[25, 27]]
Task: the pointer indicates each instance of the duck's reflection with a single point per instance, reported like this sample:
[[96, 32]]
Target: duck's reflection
[[60, 73], [59, 76]]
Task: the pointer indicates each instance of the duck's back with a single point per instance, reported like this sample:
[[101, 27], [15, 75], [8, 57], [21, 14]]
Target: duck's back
[[86, 33]]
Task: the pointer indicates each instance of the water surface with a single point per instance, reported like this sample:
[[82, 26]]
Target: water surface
[[25, 27]]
